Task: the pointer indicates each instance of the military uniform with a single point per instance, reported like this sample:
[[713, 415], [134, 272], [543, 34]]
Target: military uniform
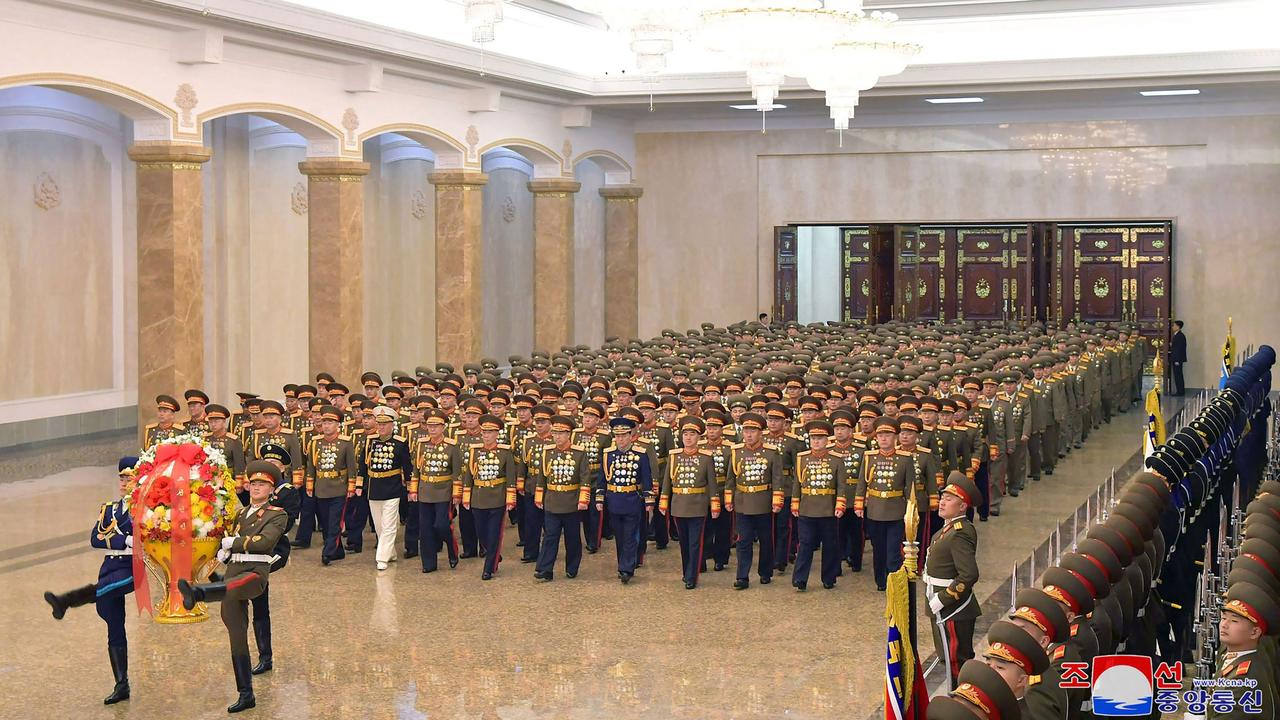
[[819, 495], [753, 492], [881, 497], [387, 470], [488, 488], [157, 431], [719, 535], [437, 485], [688, 494], [593, 444], [332, 476], [531, 516], [950, 573], [1000, 433], [563, 490], [626, 481], [1020, 422]]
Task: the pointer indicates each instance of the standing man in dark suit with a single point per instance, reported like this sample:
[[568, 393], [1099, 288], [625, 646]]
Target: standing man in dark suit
[[1177, 358]]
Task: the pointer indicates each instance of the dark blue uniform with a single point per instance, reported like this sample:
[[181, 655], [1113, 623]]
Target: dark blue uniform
[[625, 484]]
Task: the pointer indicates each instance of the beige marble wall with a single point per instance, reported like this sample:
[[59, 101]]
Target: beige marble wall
[[622, 260], [588, 256], [228, 250], [56, 279], [553, 240], [508, 265], [459, 264], [274, 319], [399, 263], [712, 200]]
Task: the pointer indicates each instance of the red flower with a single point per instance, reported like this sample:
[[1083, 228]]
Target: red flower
[[206, 493], [199, 457], [161, 492], [143, 470], [206, 471]]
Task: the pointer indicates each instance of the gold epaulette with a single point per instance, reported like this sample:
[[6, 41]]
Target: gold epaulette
[[401, 438], [900, 451], [450, 441], [273, 507], [674, 452], [501, 446], [793, 436], [735, 446], [922, 449], [1021, 394], [152, 425], [959, 523], [704, 451], [287, 431], [662, 424], [259, 431], [345, 437], [802, 453], [579, 448]]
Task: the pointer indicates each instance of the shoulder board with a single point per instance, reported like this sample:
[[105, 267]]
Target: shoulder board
[[793, 436], [900, 451], [413, 426], [706, 452], [502, 446], [1075, 628], [273, 507], [259, 431], [345, 437], [802, 453], [958, 524], [1243, 667], [1033, 679], [674, 452], [401, 438], [1059, 652], [287, 431], [1021, 394], [643, 445], [922, 449], [450, 441], [151, 426], [662, 424], [579, 448]]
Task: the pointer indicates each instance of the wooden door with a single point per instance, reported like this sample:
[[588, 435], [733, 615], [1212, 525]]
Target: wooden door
[[930, 286], [1151, 280], [855, 253], [1016, 283], [884, 262], [785, 273], [981, 255], [906, 272], [1100, 289]]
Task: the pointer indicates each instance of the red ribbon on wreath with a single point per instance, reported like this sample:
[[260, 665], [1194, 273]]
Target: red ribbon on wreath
[[175, 463]]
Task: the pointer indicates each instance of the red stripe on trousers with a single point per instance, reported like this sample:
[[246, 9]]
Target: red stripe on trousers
[[240, 582], [953, 648]]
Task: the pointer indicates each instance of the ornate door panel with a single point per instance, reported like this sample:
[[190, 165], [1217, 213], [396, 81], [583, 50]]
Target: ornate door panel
[[906, 272], [1016, 285], [1101, 289], [929, 287], [1151, 288], [785, 274], [981, 256], [855, 251]]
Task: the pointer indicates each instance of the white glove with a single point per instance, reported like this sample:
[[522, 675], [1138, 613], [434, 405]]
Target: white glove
[[227, 541], [223, 555], [935, 604], [128, 541]]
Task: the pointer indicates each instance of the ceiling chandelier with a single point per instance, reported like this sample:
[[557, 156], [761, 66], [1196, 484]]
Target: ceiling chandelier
[[482, 16]]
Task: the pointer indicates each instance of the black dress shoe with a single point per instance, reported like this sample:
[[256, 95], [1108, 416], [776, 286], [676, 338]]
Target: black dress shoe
[[1014, 493], [689, 585], [625, 577], [879, 588], [592, 550], [528, 559], [982, 518], [571, 575], [410, 554], [995, 513], [828, 586], [428, 570], [466, 555], [453, 563], [766, 580], [519, 543], [741, 584], [799, 586], [324, 560], [543, 576], [357, 551], [487, 576], [299, 545], [719, 567]]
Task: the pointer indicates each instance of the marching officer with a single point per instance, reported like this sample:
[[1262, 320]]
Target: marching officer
[[690, 478], [593, 439], [562, 492], [437, 488], [950, 573], [719, 536], [489, 488], [626, 481], [286, 497], [526, 479], [114, 534], [332, 477], [272, 432], [387, 470], [844, 445], [787, 445], [166, 424], [818, 500], [880, 499], [753, 493], [1000, 441], [252, 537]]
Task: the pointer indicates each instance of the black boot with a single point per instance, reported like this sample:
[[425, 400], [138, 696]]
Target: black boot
[[262, 633], [72, 598], [119, 655], [244, 684], [206, 592]]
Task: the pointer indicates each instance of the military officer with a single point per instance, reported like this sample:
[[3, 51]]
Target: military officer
[[247, 547], [851, 537], [272, 432], [593, 437], [332, 477], [562, 492], [626, 481], [819, 495], [656, 436], [928, 472], [787, 444], [286, 497], [753, 493], [166, 424], [1000, 441], [688, 494], [437, 488], [197, 403], [950, 572], [217, 436], [489, 487], [113, 534], [880, 499], [387, 470], [527, 467], [1020, 421], [1041, 418], [1249, 615], [719, 534]]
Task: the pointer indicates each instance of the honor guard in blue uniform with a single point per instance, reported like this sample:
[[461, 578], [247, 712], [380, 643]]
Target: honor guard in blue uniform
[[113, 533], [489, 488], [254, 534], [626, 482], [288, 498]]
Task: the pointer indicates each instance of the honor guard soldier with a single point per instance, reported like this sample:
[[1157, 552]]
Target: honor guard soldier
[[753, 492], [218, 437], [626, 483], [950, 573], [437, 488], [272, 432], [1043, 619], [1016, 656], [166, 426], [688, 494], [593, 437], [845, 445], [113, 534], [332, 477], [1076, 602], [247, 550], [1250, 618], [880, 499], [562, 492], [719, 535], [387, 469], [286, 497], [818, 500], [197, 404], [489, 487], [982, 693]]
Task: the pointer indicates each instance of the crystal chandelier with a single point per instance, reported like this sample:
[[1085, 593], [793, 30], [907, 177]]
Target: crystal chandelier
[[482, 16]]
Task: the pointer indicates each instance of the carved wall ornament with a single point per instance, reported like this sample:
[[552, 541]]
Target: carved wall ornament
[[298, 200], [418, 204], [473, 138], [1101, 288], [924, 288], [982, 245], [866, 288], [566, 151], [508, 209], [186, 101], [47, 193], [1101, 244], [1158, 244], [866, 244], [983, 288], [350, 121], [1156, 288]]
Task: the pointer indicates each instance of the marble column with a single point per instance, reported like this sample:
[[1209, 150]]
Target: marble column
[[459, 264], [553, 261], [170, 270], [621, 260], [335, 265]]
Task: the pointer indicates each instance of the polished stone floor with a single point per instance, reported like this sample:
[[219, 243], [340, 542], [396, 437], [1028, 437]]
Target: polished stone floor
[[354, 643]]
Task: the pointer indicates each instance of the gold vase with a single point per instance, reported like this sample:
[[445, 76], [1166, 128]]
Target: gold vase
[[159, 560]]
